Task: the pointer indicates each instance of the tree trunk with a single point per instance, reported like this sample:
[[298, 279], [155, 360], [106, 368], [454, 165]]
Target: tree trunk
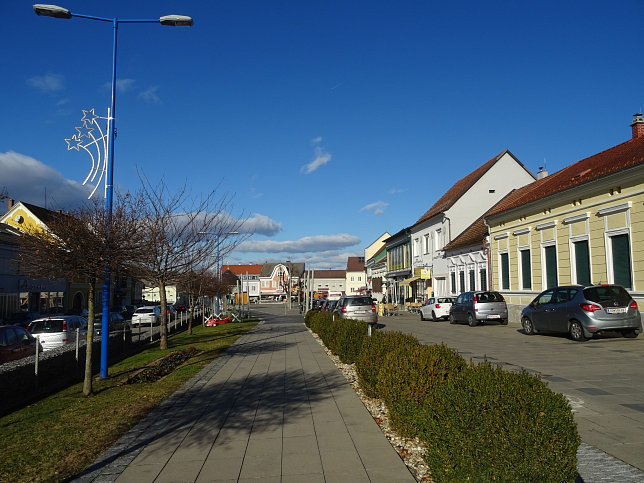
[[164, 317], [87, 382], [191, 309]]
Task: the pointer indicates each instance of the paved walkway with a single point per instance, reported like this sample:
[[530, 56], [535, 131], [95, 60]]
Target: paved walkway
[[274, 408]]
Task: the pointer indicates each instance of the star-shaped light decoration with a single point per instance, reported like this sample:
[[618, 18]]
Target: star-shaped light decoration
[[95, 144], [74, 142]]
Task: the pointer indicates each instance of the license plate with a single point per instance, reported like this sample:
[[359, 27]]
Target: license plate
[[359, 312], [493, 316], [618, 310]]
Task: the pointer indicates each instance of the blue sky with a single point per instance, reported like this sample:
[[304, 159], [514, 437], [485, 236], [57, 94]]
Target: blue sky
[[329, 122]]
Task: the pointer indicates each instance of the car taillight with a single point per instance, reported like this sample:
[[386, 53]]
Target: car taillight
[[475, 298], [438, 306], [64, 326], [633, 305], [373, 308], [344, 310], [590, 307]]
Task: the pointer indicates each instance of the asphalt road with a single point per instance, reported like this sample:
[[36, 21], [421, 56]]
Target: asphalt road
[[603, 378]]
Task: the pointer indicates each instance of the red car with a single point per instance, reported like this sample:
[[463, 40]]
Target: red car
[[16, 343]]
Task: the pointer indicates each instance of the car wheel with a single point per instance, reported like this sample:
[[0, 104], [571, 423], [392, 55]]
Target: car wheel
[[577, 332], [630, 334], [472, 322], [421, 315], [452, 319], [504, 321], [528, 328], [434, 316]]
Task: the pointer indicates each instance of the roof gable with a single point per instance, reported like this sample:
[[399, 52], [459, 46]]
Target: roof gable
[[459, 188]]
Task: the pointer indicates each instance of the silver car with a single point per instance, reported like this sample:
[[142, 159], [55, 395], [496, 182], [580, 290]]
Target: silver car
[[148, 315], [358, 307], [479, 307], [57, 331], [582, 312]]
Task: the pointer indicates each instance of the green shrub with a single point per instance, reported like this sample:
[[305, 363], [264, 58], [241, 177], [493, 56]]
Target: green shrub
[[372, 356], [489, 424], [350, 336], [409, 378]]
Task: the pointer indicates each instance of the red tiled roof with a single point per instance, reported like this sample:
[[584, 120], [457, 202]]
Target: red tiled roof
[[472, 235], [617, 158], [242, 269], [330, 274], [461, 186], [355, 264]]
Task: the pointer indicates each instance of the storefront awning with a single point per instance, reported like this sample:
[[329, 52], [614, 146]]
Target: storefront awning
[[409, 280]]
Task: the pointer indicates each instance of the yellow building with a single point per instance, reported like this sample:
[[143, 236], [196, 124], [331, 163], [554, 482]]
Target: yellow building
[[583, 224]]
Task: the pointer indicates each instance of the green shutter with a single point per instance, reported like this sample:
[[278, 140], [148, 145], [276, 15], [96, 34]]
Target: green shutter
[[526, 270], [505, 271], [551, 266], [621, 260], [483, 273], [582, 262]]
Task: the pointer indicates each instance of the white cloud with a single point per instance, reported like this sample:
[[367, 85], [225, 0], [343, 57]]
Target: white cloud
[[321, 158], [122, 85], [150, 95], [378, 207], [318, 243], [261, 225], [47, 83], [395, 191], [27, 179], [316, 140]]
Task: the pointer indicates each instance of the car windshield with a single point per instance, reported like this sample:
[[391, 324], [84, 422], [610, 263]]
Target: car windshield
[[489, 297], [608, 294], [144, 311], [444, 300], [45, 326]]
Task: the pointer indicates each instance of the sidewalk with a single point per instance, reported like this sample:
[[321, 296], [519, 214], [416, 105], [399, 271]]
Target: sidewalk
[[273, 408]]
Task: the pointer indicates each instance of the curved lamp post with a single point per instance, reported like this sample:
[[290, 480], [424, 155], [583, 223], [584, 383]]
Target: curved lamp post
[[171, 20]]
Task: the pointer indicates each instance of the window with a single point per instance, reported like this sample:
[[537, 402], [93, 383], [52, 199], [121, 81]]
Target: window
[[461, 279], [550, 259], [483, 277], [427, 243], [453, 282], [472, 279], [620, 248], [505, 271], [582, 262], [526, 269]]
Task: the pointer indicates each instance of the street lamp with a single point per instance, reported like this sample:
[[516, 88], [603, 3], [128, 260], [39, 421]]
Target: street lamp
[[171, 20]]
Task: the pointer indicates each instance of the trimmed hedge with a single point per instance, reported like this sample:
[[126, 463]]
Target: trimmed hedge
[[479, 422]]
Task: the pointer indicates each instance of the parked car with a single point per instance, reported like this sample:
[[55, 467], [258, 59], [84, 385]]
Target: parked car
[[127, 311], [147, 315], [16, 343], [58, 331], [479, 307], [22, 318], [329, 305], [358, 307], [436, 308], [116, 322], [583, 311], [180, 308]]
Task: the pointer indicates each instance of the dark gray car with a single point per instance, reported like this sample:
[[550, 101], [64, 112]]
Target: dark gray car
[[358, 307], [582, 312], [479, 307]]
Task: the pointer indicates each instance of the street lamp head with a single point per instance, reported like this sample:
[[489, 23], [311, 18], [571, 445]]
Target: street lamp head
[[51, 11], [176, 20]]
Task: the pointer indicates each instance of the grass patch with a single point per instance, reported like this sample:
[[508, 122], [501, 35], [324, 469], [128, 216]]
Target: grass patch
[[59, 436]]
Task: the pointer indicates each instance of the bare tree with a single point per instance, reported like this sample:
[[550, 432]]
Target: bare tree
[[182, 234], [73, 246]]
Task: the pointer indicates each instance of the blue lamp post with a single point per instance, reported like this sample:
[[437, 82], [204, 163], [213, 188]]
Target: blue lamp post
[[171, 20]]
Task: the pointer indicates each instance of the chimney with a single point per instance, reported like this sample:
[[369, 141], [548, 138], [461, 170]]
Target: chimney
[[10, 203], [638, 125], [542, 173]]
